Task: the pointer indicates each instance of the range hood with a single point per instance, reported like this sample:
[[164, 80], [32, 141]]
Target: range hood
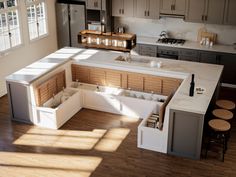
[[79, 2], [172, 15]]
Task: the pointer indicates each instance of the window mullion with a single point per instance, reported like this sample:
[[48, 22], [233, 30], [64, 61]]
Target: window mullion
[[8, 29]]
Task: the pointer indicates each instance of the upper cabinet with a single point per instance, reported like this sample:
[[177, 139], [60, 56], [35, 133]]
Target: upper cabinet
[[94, 4], [230, 12], [207, 11], [173, 7], [123, 8], [147, 9], [215, 11]]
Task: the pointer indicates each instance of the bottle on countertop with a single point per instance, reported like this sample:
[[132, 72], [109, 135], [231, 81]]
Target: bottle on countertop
[[192, 85]]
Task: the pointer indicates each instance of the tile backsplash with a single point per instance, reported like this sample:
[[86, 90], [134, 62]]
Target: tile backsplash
[[176, 27]]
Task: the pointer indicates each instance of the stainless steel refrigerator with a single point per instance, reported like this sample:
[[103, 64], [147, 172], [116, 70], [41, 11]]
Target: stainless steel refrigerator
[[70, 16]]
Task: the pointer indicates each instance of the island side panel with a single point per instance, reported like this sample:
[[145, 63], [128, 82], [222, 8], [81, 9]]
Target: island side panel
[[19, 99], [185, 134]]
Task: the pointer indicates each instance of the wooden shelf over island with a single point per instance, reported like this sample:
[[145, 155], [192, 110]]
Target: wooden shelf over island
[[111, 41]]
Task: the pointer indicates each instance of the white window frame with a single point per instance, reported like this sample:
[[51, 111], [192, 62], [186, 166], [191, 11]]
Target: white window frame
[[37, 2], [6, 10]]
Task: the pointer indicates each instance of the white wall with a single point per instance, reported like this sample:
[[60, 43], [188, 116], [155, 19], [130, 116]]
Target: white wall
[[29, 51], [176, 27]]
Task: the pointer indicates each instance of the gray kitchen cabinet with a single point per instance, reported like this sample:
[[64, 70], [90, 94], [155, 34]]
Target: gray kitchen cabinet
[[208, 57], [188, 55], [94, 4], [207, 11], [147, 50], [230, 12], [229, 72], [185, 134], [122, 8], [147, 9], [173, 7]]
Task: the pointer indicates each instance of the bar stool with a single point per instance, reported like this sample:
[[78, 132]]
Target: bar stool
[[225, 104], [223, 114], [219, 129]]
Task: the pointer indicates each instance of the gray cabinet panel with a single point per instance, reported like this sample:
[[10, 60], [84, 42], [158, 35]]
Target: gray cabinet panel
[[208, 57], [195, 10], [229, 72], [147, 50], [230, 12], [215, 11], [19, 102], [185, 134], [188, 55]]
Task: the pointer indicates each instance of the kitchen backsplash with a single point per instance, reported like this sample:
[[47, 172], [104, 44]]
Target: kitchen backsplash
[[176, 28]]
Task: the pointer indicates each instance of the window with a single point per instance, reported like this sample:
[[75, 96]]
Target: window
[[37, 22], [10, 35]]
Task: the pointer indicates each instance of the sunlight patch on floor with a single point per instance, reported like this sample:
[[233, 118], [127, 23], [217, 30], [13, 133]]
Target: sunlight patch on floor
[[112, 139], [98, 139], [38, 165], [81, 140]]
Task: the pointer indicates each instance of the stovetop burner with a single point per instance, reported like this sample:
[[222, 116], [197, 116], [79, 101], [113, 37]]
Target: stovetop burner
[[171, 41]]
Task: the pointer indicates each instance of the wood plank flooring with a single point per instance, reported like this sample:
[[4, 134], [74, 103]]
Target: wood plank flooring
[[97, 144]]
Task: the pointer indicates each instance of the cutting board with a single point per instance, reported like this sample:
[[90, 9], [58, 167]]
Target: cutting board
[[202, 33]]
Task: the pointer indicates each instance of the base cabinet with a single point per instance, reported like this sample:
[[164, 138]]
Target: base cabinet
[[125, 80], [101, 102], [121, 104], [55, 117], [185, 134], [229, 72]]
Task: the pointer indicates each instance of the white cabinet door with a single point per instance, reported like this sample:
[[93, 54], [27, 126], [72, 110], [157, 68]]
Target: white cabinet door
[[101, 102], [195, 10], [230, 12], [166, 6], [94, 4], [136, 108], [117, 6], [153, 9], [128, 8], [179, 7], [215, 11], [141, 8]]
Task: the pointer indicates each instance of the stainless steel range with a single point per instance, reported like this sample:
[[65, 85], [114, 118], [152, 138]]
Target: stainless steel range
[[171, 41]]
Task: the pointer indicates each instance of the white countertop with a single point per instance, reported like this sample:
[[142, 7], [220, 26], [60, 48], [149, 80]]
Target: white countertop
[[206, 75], [188, 45], [41, 67]]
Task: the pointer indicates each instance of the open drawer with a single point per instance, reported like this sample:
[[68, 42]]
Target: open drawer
[[154, 139], [56, 111]]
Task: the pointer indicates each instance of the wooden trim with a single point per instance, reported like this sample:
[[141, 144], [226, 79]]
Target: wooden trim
[[47, 89], [126, 80]]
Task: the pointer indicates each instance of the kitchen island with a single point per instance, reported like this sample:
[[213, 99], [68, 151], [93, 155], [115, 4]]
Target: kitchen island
[[184, 116]]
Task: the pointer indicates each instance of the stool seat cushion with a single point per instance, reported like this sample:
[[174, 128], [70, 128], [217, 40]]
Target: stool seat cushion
[[223, 114], [219, 125], [225, 104]]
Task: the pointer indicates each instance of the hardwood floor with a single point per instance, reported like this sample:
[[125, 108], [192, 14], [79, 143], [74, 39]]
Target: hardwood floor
[[97, 144]]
